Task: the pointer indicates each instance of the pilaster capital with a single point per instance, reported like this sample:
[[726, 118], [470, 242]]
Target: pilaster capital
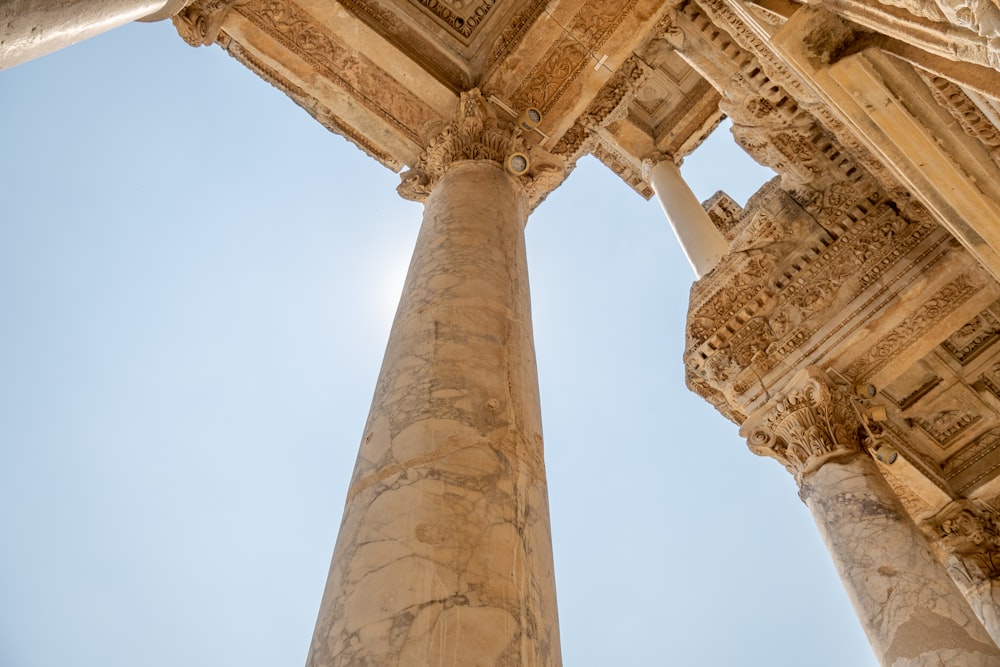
[[813, 423], [968, 535], [199, 22], [478, 133]]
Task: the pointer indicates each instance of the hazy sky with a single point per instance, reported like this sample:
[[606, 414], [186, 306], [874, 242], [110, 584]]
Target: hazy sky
[[197, 282]]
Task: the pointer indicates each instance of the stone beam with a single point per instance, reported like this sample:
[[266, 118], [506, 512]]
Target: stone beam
[[889, 108]]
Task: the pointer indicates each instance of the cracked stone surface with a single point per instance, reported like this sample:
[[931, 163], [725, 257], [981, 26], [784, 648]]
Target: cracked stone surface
[[444, 554], [911, 610]]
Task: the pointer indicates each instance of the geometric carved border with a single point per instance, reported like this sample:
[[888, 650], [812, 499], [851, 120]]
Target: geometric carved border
[[969, 341]]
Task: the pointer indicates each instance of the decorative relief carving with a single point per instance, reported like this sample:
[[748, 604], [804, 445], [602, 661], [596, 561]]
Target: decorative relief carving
[[313, 106], [749, 276], [715, 397], [477, 133], [969, 537], [369, 85], [919, 8], [932, 311], [590, 28], [791, 273], [946, 425], [980, 16], [200, 22], [812, 424], [974, 462], [724, 212], [973, 338], [621, 166], [610, 104], [783, 89], [462, 16], [990, 381], [409, 41], [965, 111], [513, 33]]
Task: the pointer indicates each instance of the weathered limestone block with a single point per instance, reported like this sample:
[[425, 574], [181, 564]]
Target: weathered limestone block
[[911, 611], [444, 554]]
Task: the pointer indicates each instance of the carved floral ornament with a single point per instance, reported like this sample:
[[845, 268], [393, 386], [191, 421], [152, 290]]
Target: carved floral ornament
[[970, 538], [478, 133], [199, 22], [807, 427]]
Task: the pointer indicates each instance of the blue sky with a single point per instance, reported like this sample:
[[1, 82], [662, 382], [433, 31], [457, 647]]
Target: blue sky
[[197, 282]]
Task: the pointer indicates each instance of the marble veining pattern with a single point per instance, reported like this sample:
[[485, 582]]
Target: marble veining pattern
[[912, 612], [444, 554]]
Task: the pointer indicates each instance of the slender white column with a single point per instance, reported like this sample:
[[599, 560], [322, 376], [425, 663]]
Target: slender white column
[[33, 28], [910, 609], [703, 244]]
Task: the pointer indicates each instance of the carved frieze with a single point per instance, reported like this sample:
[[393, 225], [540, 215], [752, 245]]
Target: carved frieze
[[312, 105], [971, 118], [931, 312], [946, 425], [623, 167], [792, 272], [463, 17], [610, 103], [595, 21], [366, 83], [975, 462], [974, 337]]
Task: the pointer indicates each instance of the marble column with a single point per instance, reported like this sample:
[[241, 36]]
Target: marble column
[[967, 539], [703, 244], [33, 28], [444, 553], [910, 609]]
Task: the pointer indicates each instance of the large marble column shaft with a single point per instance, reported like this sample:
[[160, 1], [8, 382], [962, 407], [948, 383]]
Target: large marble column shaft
[[444, 554], [912, 612], [910, 609], [33, 28]]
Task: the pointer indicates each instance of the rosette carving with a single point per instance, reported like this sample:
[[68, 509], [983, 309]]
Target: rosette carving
[[969, 537], [477, 133], [808, 426]]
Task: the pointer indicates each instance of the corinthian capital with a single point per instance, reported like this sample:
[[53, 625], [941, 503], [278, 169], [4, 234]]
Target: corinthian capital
[[478, 133], [968, 536], [811, 424]]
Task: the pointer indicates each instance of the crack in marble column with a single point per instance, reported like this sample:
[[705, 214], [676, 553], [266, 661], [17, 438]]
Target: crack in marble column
[[444, 553]]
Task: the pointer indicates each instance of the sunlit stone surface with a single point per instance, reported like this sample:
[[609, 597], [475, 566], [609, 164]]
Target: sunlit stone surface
[[870, 266], [444, 554]]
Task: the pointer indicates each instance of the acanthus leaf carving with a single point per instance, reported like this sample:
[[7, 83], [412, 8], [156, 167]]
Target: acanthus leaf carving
[[811, 424], [478, 133], [968, 537]]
